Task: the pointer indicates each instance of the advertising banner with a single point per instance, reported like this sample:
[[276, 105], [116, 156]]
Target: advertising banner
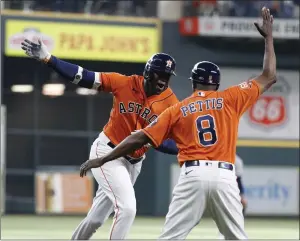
[[102, 42], [276, 113], [64, 193], [268, 190], [236, 27], [272, 190]]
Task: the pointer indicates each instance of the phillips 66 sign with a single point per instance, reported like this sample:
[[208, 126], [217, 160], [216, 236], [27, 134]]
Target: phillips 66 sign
[[268, 110], [275, 115], [271, 108]]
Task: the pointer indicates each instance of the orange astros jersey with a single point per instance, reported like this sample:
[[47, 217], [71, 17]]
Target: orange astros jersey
[[205, 125], [132, 110]]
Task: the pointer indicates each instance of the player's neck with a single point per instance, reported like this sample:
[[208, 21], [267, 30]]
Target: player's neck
[[205, 88]]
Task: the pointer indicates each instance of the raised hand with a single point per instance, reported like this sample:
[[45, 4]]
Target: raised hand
[[37, 51], [266, 28]]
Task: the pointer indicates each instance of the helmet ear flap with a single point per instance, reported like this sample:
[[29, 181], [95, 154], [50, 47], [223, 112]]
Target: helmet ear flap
[[148, 74], [194, 84], [146, 71]]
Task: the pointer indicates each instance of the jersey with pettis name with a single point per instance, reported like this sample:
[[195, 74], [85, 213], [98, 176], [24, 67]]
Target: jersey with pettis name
[[132, 109], [205, 125]]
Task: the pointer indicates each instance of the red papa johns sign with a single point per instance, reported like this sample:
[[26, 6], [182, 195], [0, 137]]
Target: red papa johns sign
[[268, 110]]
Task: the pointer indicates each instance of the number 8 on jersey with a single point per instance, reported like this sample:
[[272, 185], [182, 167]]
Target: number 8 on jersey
[[206, 130]]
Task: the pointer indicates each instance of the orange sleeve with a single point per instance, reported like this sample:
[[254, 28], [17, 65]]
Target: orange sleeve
[[110, 82], [159, 129], [243, 95]]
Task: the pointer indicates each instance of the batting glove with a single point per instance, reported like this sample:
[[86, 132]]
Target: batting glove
[[36, 51]]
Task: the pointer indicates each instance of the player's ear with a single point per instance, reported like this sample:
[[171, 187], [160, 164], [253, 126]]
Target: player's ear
[[148, 75]]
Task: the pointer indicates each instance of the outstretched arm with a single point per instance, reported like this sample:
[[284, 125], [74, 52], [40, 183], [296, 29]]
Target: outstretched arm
[[155, 133], [127, 146], [168, 146], [247, 93], [268, 75], [74, 73]]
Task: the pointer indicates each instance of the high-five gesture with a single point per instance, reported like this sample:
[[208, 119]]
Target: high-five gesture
[[37, 51], [268, 75], [266, 28]]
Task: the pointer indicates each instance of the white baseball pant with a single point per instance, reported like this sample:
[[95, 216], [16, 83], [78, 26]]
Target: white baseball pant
[[239, 170], [115, 192], [202, 187]]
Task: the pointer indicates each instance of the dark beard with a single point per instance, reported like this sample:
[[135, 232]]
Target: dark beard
[[149, 90]]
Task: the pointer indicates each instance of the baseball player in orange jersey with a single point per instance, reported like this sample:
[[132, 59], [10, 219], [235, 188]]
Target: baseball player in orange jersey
[[138, 100], [204, 127]]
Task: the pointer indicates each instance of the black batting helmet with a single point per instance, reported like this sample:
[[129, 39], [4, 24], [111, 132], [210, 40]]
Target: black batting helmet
[[206, 73], [160, 63]]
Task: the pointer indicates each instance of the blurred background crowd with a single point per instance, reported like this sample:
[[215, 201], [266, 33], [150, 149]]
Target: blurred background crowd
[[251, 8]]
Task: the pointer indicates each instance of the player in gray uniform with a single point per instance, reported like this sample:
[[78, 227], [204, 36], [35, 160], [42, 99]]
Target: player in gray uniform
[[239, 170]]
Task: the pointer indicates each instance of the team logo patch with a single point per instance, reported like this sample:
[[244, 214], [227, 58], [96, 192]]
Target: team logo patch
[[153, 122], [246, 85], [169, 63]]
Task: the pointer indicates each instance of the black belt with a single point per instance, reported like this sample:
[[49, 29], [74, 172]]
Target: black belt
[[128, 158], [224, 165]]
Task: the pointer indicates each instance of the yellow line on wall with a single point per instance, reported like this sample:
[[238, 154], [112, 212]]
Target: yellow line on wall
[[78, 16], [269, 143]]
